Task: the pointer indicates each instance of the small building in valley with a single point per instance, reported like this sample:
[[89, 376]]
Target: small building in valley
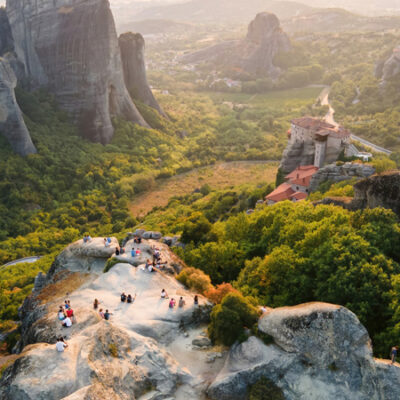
[[296, 186]]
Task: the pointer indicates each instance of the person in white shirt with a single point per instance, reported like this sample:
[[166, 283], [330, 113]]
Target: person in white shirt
[[67, 323], [61, 345]]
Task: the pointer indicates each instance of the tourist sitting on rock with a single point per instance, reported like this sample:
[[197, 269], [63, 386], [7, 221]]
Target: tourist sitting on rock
[[151, 268], [106, 243], [123, 297], [122, 250], [146, 266], [101, 313], [88, 238], [85, 239], [164, 294], [138, 252], [61, 345], [67, 323], [109, 240], [130, 299], [133, 252], [61, 313], [263, 309], [181, 302], [393, 354], [117, 251], [66, 305], [95, 304], [196, 300], [70, 312], [107, 315], [172, 303]]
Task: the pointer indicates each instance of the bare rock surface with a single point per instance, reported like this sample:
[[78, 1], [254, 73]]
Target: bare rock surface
[[253, 55], [321, 351], [12, 124], [141, 352], [71, 48], [132, 47], [340, 172]]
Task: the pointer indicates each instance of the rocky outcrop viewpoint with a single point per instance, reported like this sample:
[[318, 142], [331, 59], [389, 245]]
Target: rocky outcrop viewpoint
[[253, 55], [134, 68], [144, 351], [320, 351]]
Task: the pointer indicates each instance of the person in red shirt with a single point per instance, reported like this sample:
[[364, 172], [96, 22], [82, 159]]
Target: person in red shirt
[[70, 312]]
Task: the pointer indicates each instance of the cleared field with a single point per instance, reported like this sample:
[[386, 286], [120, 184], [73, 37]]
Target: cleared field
[[218, 176]]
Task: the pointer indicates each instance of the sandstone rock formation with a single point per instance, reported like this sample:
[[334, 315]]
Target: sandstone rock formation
[[389, 68], [338, 173], [72, 50], [143, 350], [134, 68], [297, 153], [253, 55], [382, 190], [12, 124], [321, 351]]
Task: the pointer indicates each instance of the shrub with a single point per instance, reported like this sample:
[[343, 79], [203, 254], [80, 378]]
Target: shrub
[[113, 349], [195, 279], [229, 318], [216, 294], [265, 389], [111, 262]]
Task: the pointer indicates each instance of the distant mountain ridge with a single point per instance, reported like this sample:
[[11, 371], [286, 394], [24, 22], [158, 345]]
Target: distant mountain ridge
[[206, 11]]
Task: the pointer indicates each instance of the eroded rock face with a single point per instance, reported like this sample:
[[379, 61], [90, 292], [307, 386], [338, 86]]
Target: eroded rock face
[[389, 68], [338, 173], [133, 64], [321, 351], [12, 124], [253, 55], [296, 154], [379, 191], [71, 48]]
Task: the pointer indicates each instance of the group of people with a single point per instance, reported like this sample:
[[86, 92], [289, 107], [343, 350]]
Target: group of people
[[107, 242], [66, 314], [181, 302], [103, 315], [128, 299], [87, 239]]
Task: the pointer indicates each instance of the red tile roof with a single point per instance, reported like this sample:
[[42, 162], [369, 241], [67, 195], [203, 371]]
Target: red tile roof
[[282, 192], [302, 175], [320, 127], [299, 196]]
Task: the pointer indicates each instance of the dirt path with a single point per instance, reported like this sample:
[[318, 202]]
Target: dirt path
[[218, 176]]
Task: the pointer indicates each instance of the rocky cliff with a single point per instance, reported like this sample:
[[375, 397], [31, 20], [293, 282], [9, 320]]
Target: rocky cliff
[[319, 351], [340, 172], [133, 64], [380, 190], [389, 68], [12, 124], [253, 55], [71, 48]]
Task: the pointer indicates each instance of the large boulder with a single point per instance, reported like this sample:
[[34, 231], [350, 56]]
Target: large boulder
[[320, 351]]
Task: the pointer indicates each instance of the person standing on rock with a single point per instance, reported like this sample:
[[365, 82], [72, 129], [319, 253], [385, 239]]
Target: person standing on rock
[[61, 345], [393, 354]]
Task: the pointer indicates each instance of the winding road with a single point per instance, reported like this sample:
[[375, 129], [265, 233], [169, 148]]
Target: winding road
[[22, 260], [330, 118]]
